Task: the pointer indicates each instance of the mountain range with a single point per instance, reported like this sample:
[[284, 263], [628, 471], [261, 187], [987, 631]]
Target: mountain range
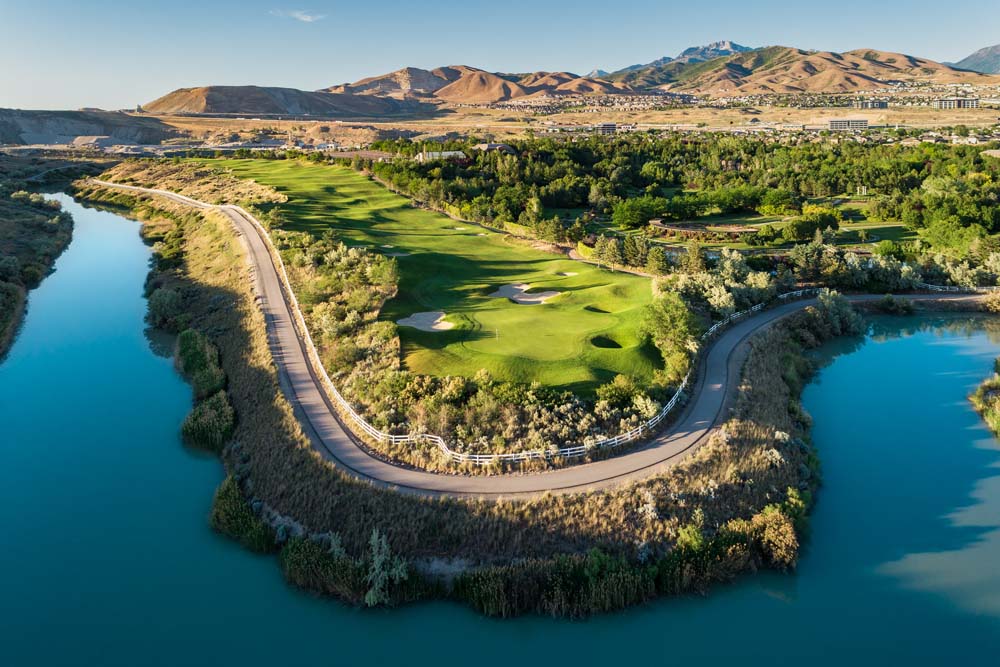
[[985, 60], [783, 69], [462, 84], [717, 69]]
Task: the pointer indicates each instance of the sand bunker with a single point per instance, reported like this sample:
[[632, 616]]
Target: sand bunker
[[431, 321], [518, 293], [568, 273], [459, 229]]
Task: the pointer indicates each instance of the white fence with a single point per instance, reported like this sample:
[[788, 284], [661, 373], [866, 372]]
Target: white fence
[[356, 420], [578, 451], [485, 459], [956, 288]]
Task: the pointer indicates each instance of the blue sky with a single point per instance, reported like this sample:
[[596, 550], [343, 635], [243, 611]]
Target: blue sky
[[60, 54]]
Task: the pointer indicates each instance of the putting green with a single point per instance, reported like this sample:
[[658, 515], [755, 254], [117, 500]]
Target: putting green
[[576, 340]]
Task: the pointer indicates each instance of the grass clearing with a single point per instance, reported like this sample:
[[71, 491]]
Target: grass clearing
[[453, 268]]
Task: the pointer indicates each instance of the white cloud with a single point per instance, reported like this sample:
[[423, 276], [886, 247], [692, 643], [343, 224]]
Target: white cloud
[[298, 15]]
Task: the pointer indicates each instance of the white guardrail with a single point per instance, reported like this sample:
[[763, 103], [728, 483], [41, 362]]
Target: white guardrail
[[485, 459], [956, 288], [459, 457]]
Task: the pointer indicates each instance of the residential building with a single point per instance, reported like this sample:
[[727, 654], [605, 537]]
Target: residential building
[[848, 124], [871, 104], [956, 103], [491, 148], [606, 128], [427, 156]]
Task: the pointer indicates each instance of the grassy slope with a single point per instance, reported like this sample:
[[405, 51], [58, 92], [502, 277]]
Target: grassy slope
[[452, 267]]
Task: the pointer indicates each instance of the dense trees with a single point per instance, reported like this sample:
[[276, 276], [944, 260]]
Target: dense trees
[[950, 193]]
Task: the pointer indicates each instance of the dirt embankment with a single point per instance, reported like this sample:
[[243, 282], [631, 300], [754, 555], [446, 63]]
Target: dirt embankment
[[20, 127]]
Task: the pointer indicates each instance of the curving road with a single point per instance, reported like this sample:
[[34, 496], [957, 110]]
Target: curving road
[[716, 386]]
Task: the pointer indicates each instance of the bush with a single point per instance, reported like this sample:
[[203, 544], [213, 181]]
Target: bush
[[165, 308], [573, 586], [892, 305], [309, 565], [232, 516], [210, 424], [198, 361]]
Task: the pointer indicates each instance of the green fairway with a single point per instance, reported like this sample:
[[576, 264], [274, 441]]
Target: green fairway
[[576, 340]]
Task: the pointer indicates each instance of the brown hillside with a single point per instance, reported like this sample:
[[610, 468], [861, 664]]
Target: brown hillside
[[403, 83], [461, 84], [479, 87], [781, 69], [271, 101]]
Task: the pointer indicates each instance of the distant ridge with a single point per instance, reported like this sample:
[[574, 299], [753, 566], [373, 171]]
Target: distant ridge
[[461, 84], [782, 69], [689, 55], [716, 69], [986, 61], [272, 101]]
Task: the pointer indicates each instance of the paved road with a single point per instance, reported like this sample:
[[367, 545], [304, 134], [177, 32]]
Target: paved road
[[716, 387]]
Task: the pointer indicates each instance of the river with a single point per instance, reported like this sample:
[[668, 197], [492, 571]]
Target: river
[[108, 559]]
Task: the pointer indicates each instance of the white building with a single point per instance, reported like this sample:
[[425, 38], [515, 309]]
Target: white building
[[427, 156]]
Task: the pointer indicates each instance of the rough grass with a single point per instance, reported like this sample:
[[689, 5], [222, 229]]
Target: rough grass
[[453, 267], [232, 515]]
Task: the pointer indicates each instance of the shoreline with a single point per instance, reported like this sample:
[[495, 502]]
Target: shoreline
[[490, 577], [486, 572]]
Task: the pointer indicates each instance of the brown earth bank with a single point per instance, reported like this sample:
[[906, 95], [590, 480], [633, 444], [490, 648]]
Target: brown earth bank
[[735, 506]]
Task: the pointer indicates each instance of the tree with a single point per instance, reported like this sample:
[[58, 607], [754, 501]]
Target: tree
[[671, 326], [384, 568], [636, 212], [613, 252], [656, 261], [694, 259], [635, 249]]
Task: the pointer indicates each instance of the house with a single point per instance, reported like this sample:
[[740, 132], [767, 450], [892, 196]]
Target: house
[[494, 148], [428, 156], [871, 104]]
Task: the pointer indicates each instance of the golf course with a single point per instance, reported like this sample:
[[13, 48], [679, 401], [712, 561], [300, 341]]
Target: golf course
[[471, 298]]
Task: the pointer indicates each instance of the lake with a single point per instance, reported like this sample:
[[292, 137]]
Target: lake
[[108, 558]]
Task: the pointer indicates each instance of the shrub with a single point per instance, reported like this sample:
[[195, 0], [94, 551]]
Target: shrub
[[385, 569], [232, 516], [165, 308], [892, 305], [198, 361], [210, 424], [309, 565], [573, 586]]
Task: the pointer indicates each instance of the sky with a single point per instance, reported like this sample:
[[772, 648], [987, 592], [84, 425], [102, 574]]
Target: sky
[[67, 54]]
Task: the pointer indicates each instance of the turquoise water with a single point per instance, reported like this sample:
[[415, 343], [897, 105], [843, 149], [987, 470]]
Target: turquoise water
[[107, 558]]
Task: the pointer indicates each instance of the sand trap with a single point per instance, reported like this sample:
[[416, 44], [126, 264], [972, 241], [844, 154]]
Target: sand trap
[[459, 229], [517, 293], [388, 246], [481, 234], [568, 273], [431, 321]]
